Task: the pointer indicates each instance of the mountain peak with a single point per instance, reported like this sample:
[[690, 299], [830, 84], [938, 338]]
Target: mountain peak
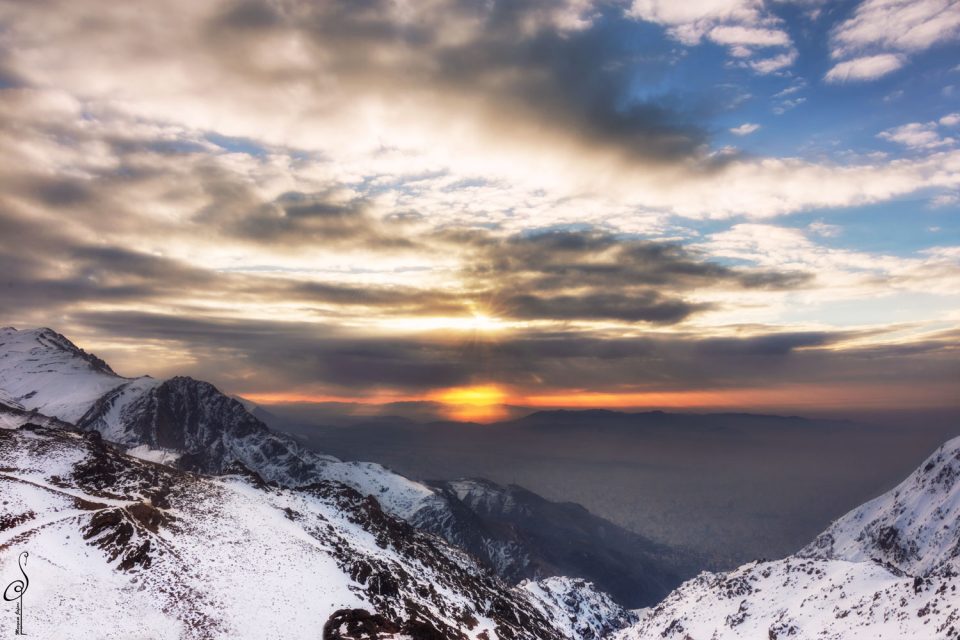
[[49, 339], [42, 370]]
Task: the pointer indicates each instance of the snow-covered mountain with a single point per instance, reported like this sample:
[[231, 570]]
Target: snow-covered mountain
[[120, 548], [887, 570], [200, 428], [43, 371], [192, 425], [913, 529], [577, 608]]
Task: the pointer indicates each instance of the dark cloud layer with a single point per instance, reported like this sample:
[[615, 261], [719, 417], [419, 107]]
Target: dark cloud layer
[[571, 275], [557, 276], [294, 355]]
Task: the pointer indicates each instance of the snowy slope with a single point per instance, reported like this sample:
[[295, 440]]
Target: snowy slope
[[120, 548], [914, 527], [42, 370], [885, 571], [578, 607], [13, 417], [115, 412]]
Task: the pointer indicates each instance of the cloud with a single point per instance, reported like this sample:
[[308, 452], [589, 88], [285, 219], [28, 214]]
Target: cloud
[[865, 68], [840, 273], [899, 25], [919, 135], [824, 229], [765, 66], [743, 26], [950, 120], [922, 135], [391, 111], [745, 129], [748, 36], [354, 182], [327, 360], [327, 75], [880, 35], [590, 275], [944, 200]]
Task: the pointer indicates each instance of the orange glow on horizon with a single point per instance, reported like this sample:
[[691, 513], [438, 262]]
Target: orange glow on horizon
[[487, 403], [482, 403]]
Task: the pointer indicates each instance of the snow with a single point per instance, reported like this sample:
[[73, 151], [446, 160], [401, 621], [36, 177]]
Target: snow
[[577, 607], [44, 371], [160, 456], [802, 599], [913, 527], [116, 406], [11, 420], [230, 557], [399, 496], [41, 370], [7, 399], [885, 571]]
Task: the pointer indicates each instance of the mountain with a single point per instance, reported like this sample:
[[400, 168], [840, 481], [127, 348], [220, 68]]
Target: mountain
[[577, 608], [120, 548], [43, 371], [562, 538], [190, 424], [889, 569]]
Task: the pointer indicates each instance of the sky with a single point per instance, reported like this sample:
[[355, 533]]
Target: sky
[[548, 203]]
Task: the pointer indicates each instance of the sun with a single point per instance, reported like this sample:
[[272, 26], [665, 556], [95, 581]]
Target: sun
[[479, 403]]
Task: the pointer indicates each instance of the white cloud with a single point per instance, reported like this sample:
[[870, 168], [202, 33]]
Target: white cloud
[[842, 274], [673, 13], [743, 26], [786, 105], [776, 63], [748, 36], [950, 120], [881, 32], [919, 135], [745, 129], [897, 25], [797, 85], [865, 68]]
